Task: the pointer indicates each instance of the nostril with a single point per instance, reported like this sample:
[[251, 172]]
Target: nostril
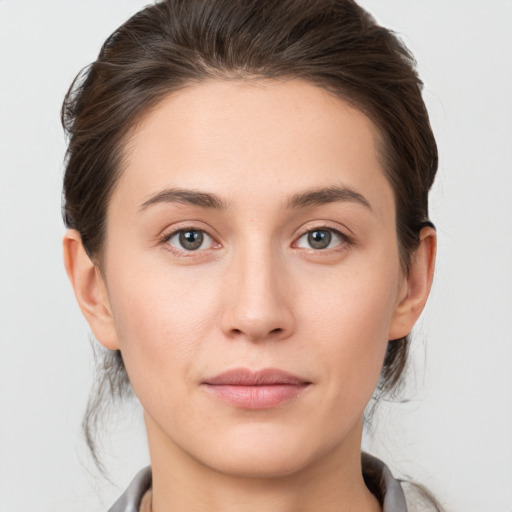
[[260, 335]]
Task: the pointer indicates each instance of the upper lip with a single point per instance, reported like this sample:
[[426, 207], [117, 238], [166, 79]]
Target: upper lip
[[246, 377]]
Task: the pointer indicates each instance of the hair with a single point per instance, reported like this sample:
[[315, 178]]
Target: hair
[[334, 44]]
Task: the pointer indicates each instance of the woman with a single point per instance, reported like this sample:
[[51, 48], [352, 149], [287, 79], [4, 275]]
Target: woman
[[247, 196]]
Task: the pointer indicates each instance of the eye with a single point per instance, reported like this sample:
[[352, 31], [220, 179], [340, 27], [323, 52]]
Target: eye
[[190, 240], [321, 238]]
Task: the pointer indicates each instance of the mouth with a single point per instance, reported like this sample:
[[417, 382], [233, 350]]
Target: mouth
[[262, 389]]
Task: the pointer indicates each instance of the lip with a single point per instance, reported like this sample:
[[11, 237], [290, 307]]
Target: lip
[[261, 389]]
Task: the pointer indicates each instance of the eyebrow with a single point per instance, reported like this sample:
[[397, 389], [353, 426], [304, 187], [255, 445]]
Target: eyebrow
[[193, 197], [307, 199], [318, 197]]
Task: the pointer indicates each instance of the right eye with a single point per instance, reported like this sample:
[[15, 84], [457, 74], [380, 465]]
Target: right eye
[[188, 240]]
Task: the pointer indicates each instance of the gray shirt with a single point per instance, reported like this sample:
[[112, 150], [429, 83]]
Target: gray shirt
[[377, 476]]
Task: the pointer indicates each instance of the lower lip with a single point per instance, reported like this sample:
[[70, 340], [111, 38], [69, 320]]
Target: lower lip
[[256, 397]]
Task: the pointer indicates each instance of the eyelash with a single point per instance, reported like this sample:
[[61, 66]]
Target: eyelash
[[344, 240]]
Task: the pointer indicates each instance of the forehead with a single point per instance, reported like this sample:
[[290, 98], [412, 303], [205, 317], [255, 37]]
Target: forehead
[[241, 139]]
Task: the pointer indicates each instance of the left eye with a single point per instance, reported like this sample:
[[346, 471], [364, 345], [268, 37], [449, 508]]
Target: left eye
[[319, 239], [190, 240]]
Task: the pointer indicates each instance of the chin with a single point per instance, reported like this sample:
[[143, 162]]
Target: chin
[[269, 453], [260, 464]]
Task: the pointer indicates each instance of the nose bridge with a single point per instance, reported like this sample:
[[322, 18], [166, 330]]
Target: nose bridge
[[258, 307]]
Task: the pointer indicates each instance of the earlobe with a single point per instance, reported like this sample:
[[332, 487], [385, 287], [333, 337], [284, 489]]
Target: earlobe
[[418, 284], [90, 290]]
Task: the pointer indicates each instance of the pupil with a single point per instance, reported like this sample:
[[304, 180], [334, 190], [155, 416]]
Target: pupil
[[319, 239], [191, 240]]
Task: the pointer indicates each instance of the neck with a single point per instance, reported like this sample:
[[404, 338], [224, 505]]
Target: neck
[[332, 483]]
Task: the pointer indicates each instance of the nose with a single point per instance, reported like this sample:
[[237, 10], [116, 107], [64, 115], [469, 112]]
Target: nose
[[258, 299]]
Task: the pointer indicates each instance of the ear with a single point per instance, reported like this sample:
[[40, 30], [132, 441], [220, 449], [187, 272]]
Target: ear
[[90, 290], [417, 284]]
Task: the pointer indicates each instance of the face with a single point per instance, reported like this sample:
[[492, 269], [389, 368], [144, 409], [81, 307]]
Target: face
[[252, 273]]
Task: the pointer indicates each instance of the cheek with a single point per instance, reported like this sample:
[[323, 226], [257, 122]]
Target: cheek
[[353, 302], [350, 317], [162, 322]]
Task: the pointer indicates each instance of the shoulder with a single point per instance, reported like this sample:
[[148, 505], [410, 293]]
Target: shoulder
[[381, 482], [131, 499], [396, 495]]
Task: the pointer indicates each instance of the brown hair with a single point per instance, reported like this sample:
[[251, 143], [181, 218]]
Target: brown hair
[[334, 44]]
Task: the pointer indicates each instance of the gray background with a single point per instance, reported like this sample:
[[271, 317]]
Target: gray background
[[454, 433]]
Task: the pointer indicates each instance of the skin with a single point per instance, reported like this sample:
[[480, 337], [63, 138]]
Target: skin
[[255, 294]]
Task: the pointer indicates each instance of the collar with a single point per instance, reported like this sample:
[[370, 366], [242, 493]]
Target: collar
[[377, 476]]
